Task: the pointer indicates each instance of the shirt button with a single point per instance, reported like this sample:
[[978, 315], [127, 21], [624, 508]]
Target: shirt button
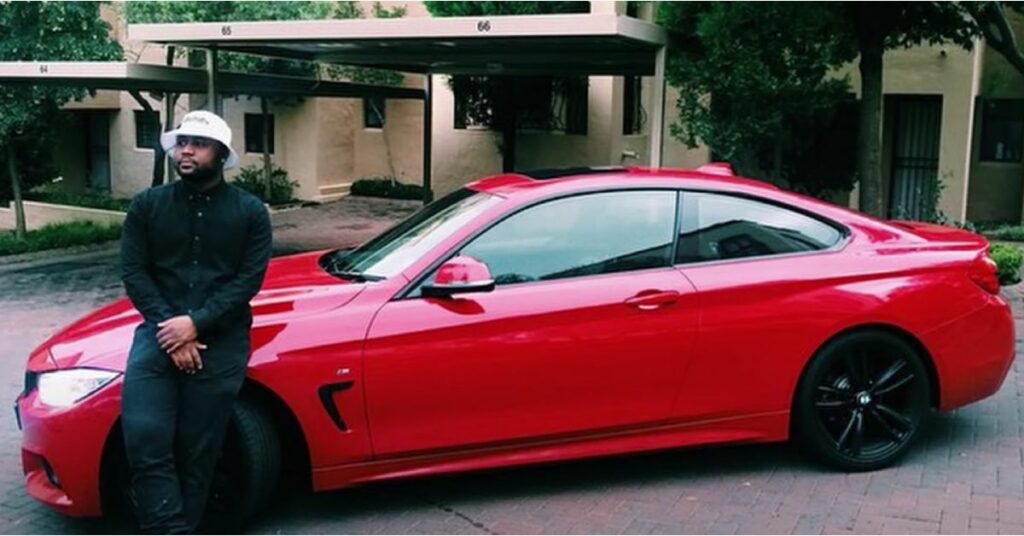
[[190, 311], [207, 198], [195, 262], [200, 214], [191, 285], [196, 237]]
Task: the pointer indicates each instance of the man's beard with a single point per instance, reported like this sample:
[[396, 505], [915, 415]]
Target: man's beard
[[199, 175]]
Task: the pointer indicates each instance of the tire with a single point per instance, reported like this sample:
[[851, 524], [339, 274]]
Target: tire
[[244, 481], [861, 401], [248, 470]]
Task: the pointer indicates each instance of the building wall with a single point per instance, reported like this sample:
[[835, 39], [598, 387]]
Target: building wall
[[947, 71], [996, 191], [395, 150]]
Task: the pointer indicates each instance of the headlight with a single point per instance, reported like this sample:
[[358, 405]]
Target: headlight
[[62, 388]]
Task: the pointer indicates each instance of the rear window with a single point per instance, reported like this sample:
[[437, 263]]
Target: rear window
[[722, 227]]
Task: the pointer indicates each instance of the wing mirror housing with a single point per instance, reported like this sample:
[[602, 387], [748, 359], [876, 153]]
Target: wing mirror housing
[[459, 275]]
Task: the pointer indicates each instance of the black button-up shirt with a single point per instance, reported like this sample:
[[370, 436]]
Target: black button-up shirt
[[203, 254]]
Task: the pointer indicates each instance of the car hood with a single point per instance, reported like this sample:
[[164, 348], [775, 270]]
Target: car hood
[[294, 286]]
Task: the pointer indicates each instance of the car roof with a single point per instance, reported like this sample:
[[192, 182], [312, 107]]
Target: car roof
[[716, 177], [710, 176]]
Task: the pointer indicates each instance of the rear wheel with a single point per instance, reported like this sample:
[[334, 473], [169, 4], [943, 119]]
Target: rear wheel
[[861, 402]]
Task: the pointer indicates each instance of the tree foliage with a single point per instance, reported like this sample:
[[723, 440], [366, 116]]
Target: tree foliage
[[224, 11], [754, 85], [755, 82], [37, 31], [472, 8], [994, 24], [228, 11]]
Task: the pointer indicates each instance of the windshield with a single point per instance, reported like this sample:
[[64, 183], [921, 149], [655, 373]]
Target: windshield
[[393, 251]]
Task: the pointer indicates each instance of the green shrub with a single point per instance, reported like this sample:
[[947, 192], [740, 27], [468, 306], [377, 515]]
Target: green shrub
[[59, 235], [251, 179], [87, 200], [1008, 258], [386, 187], [1011, 233]]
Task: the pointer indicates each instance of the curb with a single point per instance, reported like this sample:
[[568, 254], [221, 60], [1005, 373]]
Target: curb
[[34, 259]]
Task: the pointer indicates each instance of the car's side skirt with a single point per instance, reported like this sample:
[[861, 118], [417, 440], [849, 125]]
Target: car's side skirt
[[764, 427]]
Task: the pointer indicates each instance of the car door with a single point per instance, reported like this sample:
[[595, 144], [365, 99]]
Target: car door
[[767, 276], [588, 329]]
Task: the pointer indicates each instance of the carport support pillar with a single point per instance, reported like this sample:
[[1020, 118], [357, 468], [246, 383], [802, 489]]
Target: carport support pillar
[[428, 101], [658, 108], [213, 103]]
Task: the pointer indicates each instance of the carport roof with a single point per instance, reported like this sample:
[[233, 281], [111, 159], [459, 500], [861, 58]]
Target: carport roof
[[601, 44], [144, 77]]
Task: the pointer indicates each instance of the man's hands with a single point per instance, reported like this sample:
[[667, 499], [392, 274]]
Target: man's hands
[[187, 357], [175, 332]]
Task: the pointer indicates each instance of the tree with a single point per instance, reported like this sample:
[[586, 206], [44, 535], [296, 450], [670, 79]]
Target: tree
[[36, 31], [754, 85], [994, 26], [502, 101], [874, 28]]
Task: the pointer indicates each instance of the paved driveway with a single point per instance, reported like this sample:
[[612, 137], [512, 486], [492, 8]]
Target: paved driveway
[[965, 476]]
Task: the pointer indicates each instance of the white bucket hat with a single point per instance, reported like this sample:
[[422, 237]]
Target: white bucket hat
[[204, 124]]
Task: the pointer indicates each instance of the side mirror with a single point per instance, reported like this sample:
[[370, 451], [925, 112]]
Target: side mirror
[[459, 275]]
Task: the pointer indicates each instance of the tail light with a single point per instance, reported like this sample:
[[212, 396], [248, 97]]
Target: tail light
[[983, 272]]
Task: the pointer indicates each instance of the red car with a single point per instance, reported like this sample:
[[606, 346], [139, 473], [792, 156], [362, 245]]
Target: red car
[[545, 317]]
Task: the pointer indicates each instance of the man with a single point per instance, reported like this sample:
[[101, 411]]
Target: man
[[193, 253]]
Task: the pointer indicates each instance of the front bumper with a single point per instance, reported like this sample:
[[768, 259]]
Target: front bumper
[[62, 449]]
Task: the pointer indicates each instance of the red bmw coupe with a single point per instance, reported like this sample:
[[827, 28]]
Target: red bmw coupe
[[540, 317]]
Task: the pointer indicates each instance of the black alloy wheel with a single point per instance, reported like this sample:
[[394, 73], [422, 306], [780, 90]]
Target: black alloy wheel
[[861, 401]]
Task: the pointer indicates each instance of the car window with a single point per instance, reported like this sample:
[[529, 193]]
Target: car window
[[582, 235], [394, 250], [720, 227]]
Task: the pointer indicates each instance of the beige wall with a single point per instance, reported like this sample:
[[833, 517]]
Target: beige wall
[[395, 150], [944, 70], [996, 190]]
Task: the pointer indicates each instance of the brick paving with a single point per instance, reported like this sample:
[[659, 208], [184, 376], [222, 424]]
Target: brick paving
[[966, 475]]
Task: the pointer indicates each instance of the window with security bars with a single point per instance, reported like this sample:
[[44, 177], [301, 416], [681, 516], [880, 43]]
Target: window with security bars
[[147, 129], [254, 133]]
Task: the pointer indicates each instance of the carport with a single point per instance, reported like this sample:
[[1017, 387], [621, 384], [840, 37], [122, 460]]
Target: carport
[[538, 45], [172, 81]]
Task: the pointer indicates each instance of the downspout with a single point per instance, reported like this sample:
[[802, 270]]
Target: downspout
[[979, 54]]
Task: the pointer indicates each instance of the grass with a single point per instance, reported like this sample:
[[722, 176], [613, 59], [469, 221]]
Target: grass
[[87, 200], [59, 235]]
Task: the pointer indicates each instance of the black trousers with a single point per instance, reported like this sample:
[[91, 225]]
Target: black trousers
[[174, 426]]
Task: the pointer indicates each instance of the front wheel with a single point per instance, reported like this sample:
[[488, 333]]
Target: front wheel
[[248, 470], [861, 401]]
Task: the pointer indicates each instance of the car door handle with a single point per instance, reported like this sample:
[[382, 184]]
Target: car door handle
[[650, 300]]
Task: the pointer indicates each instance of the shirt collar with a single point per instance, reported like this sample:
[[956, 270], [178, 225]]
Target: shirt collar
[[191, 191]]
